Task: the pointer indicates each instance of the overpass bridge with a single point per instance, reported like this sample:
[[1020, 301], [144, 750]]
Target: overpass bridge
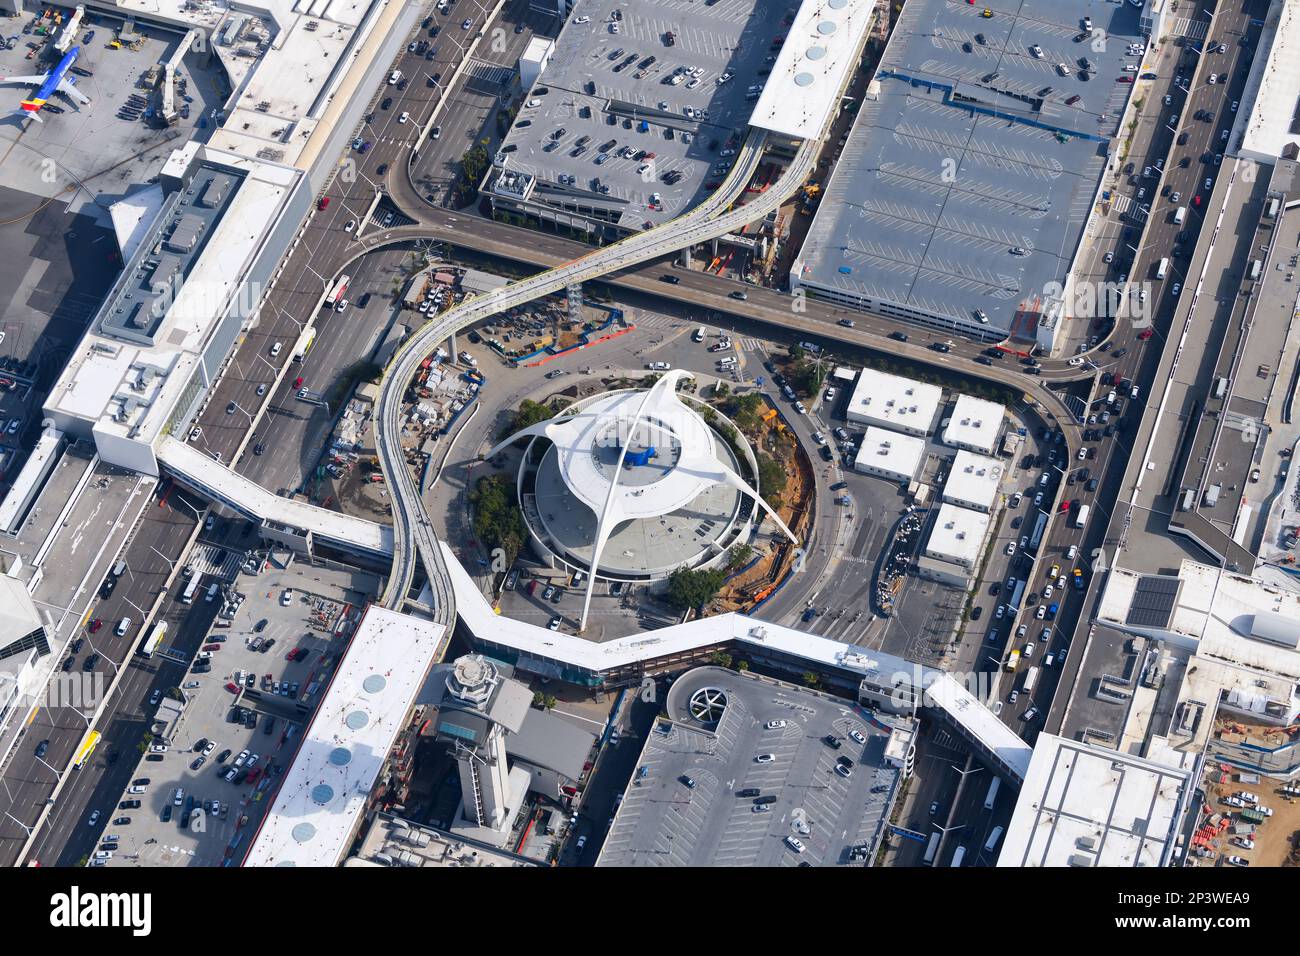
[[281, 518]]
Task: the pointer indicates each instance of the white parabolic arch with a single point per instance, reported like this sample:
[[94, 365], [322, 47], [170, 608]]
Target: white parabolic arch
[[659, 398]]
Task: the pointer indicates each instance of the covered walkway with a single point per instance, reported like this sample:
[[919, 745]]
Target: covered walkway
[[216, 481]]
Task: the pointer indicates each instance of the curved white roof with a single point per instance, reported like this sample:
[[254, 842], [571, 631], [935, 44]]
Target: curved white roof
[[589, 445], [813, 66]]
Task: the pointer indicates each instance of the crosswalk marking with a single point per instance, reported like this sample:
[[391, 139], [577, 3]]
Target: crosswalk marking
[[215, 561]]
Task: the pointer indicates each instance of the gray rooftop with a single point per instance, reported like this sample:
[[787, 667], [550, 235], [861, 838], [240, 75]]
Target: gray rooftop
[[662, 822], [730, 35], [965, 156], [153, 278]]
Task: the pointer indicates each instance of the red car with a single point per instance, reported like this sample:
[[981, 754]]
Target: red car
[[1196, 200], [324, 203], [1065, 505], [95, 625], [212, 647], [297, 382], [1146, 334], [232, 687], [1125, 79], [253, 775]]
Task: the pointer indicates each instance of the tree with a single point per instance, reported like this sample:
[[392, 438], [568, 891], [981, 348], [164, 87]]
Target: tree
[[742, 666], [692, 589], [543, 701], [811, 679], [771, 476], [740, 553], [720, 659], [497, 521], [529, 413]]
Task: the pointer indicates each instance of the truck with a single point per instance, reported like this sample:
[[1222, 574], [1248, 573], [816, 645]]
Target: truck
[[1252, 816], [1081, 519], [336, 293], [304, 343], [191, 587]]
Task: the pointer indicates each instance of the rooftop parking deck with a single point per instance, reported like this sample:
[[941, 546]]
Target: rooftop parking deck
[[605, 92], [974, 163]]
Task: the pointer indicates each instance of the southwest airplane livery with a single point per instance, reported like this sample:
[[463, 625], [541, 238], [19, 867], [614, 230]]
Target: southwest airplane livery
[[55, 81]]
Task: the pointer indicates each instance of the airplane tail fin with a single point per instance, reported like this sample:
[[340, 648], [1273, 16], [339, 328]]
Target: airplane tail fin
[[28, 114]]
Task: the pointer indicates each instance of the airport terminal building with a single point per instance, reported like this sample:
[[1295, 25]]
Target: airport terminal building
[[174, 316]]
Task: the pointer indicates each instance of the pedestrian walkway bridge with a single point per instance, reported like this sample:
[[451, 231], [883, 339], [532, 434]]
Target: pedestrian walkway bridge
[[217, 482]]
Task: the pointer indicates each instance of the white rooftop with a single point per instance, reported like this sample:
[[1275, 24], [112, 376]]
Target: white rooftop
[[1082, 805], [975, 423], [893, 401], [106, 370], [958, 535], [365, 707], [887, 450], [821, 48], [287, 58], [1218, 612], [1276, 73], [973, 480]]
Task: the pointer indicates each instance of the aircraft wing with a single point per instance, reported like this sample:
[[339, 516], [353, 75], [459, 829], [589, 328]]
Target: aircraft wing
[[67, 88], [28, 80]]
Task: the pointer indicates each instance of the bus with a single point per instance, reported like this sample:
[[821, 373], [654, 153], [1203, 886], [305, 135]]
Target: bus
[[958, 856], [1081, 519], [1013, 660], [337, 293], [932, 848], [1040, 526], [304, 343], [1031, 678], [155, 638], [86, 749], [993, 839], [993, 793], [191, 587]]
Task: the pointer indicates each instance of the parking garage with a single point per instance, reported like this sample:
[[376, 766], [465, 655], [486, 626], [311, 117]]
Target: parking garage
[[964, 188]]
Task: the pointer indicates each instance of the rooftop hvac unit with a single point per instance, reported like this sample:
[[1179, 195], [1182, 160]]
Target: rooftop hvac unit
[[912, 409], [978, 423], [383, 859], [961, 535], [907, 391]]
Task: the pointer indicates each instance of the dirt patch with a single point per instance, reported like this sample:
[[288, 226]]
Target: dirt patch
[[1276, 839]]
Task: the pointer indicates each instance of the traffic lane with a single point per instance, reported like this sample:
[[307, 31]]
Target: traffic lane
[[101, 787], [159, 536]]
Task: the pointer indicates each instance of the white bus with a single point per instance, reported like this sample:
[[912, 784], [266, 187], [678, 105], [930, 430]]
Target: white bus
[[1162, 269], [958, 856], [993, 839], [993, 793], [155, 638], [1031, 678], [932, 848], [191, 588]]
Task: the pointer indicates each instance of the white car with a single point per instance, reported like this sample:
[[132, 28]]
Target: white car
[[195, 433], [466, 23], [578, 20], [286, 597], [349, 225], [658, 366], [855, 735], [774, 724], [404, 117], [829, 396], [1029, 650], [765, 758], [1037, 51], [796, 845], [275, 349]]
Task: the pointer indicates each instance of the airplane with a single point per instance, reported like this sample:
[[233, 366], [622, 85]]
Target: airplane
[[55, 81]]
